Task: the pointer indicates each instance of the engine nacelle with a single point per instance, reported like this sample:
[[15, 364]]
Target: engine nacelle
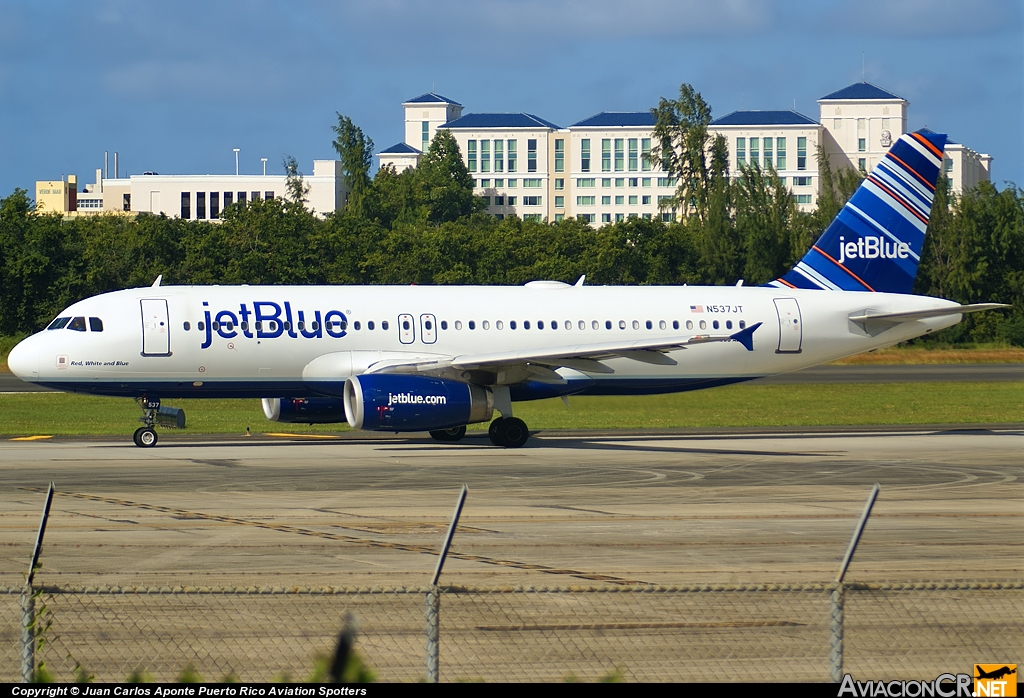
[[394, 402], [302, 410]]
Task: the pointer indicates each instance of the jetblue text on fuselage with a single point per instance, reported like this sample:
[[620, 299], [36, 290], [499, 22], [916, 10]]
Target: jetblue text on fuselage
[[871, 247], [268, 320]]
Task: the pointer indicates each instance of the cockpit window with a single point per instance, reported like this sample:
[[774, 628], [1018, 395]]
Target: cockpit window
[[95, 324], [78, 324], [59, 323]]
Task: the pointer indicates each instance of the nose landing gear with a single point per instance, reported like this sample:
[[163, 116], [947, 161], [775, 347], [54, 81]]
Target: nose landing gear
[[153, 414]]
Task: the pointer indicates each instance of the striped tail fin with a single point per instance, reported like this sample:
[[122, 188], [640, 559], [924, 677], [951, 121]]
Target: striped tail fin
[[875, 242]]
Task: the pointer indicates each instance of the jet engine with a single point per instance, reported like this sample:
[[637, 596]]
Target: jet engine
[[395, 402], [301, 410]]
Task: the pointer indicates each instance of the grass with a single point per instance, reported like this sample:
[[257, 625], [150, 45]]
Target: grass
[[939, 354], [732, 406]]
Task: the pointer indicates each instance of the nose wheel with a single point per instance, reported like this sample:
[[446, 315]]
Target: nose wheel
[[508, 432], [145, 437]]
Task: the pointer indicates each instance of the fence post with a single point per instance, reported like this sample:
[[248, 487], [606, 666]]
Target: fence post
[[28, 635], [433, 627], [839, 591], [434, 594], [835, 627], [28, 602]]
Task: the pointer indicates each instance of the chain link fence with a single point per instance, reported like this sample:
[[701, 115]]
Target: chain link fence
[[686, 633]]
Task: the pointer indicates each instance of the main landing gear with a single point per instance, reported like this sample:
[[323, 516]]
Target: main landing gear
[[447, 435], [508, 432]]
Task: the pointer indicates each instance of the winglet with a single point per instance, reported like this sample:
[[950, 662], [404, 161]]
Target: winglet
[[579, 281], [746, 337], [157, 282]]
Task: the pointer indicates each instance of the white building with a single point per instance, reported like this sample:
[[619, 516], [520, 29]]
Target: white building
[[203, 197], [599, 169]]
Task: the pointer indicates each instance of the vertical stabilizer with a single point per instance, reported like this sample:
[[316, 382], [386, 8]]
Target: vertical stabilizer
[[875, 242]]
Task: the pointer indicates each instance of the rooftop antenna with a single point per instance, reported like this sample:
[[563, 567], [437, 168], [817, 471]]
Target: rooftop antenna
[[236, 160], [264, 161]]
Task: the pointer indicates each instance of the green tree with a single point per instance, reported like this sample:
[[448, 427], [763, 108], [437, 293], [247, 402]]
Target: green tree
[[298, 190], [444, 185], [681, 131], [355, 149]]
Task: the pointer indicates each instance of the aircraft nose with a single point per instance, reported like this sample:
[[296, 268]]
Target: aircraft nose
[[24, 361]]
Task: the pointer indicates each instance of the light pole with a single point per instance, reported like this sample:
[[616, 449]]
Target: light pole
[[264, 161], [236, 161]]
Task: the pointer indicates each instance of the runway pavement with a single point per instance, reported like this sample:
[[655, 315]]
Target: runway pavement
[[817, 374], [566, 509]]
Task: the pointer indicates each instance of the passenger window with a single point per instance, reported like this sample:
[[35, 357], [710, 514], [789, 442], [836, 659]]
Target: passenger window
[[186, 326], [259, 325], [703, 325], [595, 324], [383, 324], [540, 324], [357, 325], [636, 324], [444, 325], [216, 325], [95, 324], [675, 325], [371, 326], [78, 324], [245, 325], [715, 324], [405, 325], [512, 324], [202, 325], [486, 325], [316, 326], [728, 324], [429, 325], [343, 324], [526, 324], [661, 324], [499, 325], [743, 324], [622, 324], [554, 324], [59, 324], [607, 324], [689, 324], [650, 325], [472, 324], [458, 324], [287, 325]]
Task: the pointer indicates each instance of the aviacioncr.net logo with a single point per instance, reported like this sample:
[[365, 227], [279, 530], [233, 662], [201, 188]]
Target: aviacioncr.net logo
[[944, 686], [411, 399]]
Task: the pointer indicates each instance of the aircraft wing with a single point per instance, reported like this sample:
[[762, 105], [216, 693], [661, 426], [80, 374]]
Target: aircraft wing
[[868, 316], [581, 357]]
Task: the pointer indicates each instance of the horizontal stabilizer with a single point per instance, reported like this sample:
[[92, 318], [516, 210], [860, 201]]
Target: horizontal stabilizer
[[925, 314], [746, 337]]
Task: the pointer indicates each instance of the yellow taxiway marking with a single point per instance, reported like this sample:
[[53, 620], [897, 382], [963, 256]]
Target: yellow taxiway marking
[[305, 436], [38, 437]]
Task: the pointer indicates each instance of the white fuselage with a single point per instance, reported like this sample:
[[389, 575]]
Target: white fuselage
[[145, 350]]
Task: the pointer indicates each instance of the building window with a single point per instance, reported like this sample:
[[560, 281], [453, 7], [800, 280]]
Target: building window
[[425, 133], [634, 154], [586, 183], [201, 205], [214, 204], [586, 217], [862, 145], [634, 182], [585, 200], [620, 200], [645, 154], [126, 202], [780, 154], [606, 182], [268, 196], [646, 216], [755, 151], [633, 200], [862, 164], [585, 155], [487, 200], [801, 181], [499, 159], [606, 201], [511, 200], [664, 201], [801, 153], [620, 158], [254, 196], [532, 200], [228, 198], [620, 182], [512, 183], [499, 201], [767, 153], [803, 198], [559, 217], [559, 202], [619, 217], [533, 183], [667, 217], [485, 156], [666, 181], [559, 184], [531, 155], [485, 184], [532, 217], [645, 182], [186, 205], [741, 152], [646, 200], [606, 218], [947, 166], [559, 155], [241, 198], [511, 143], [499, 183]]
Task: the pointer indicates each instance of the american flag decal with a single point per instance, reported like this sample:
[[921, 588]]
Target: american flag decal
[[696, 308]]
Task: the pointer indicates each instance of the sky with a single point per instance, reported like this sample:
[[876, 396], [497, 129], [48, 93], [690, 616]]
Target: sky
[[175, 87]]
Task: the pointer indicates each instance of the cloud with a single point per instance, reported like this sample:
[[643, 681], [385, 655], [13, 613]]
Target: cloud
[[925, 18], [190, 79]]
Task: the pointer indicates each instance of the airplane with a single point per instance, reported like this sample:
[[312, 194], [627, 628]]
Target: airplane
[[419, 358]]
